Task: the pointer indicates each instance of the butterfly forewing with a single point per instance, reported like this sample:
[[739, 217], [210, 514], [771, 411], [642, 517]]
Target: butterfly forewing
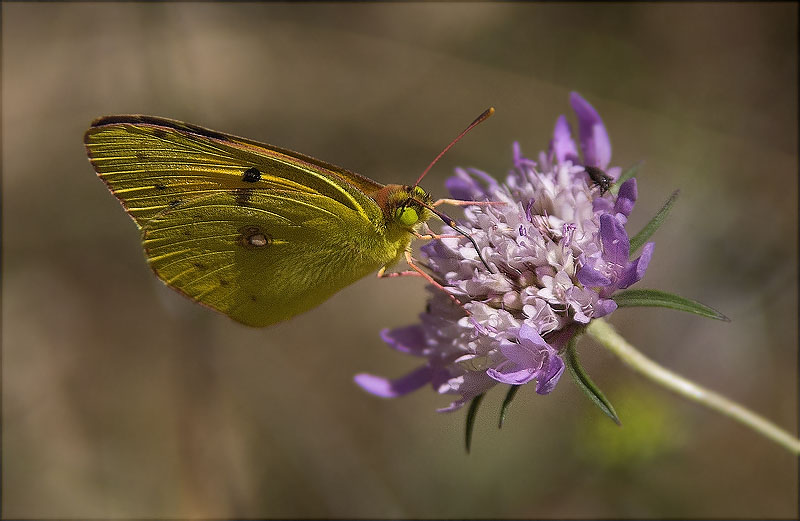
[[153, 164]]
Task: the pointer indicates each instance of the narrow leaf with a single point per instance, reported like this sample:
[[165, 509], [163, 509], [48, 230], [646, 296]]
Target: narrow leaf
[[627, 174], [650, 228], [512, 392], [586, 384], [471, 415], [662, 299]]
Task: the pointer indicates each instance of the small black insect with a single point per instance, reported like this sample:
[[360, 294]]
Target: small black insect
[[251, 175], [600, 178]]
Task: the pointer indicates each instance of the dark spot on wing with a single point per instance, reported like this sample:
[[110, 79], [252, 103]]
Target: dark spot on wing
[[160, 186], [223, 282], [253, 298], [251, 175], [175, 203], [252, 237], [199, 265]]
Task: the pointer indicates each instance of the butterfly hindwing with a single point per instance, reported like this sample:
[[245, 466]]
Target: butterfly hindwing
[[259, 264]]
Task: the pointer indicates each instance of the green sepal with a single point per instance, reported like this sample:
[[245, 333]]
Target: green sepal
[[512, 392], [662, 299], [650, 228], [627, 174], [472, 413], [586, 384]]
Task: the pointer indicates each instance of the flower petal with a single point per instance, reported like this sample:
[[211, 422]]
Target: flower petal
[[511, 377], [626, 197], [591, 278], [616, 245], [521, 161], [548, 378], [636, 269], [469, 386], [386, 388], [531, 338], [603, 307], [462, 186], [602, 205], [644, 259], [592, 133], [562, 144], [409, 339]]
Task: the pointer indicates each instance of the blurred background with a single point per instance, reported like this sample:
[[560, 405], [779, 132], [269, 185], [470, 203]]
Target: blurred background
[[122, 399]]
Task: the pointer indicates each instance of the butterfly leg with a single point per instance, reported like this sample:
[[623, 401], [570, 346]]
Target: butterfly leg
[[431, 236], [419, 272]]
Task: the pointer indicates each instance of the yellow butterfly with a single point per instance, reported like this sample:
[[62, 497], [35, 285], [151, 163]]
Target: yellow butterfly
[[257, 232]]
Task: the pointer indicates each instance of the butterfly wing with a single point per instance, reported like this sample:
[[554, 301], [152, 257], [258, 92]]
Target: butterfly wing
[[253, 231], [152, 164], [280, 255]]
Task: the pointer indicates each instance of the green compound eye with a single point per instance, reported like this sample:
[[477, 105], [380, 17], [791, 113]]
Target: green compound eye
[[406, 216]]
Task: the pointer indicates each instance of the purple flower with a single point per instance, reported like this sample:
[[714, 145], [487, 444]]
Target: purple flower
[[610, 270], [558, 251], [531, 358]]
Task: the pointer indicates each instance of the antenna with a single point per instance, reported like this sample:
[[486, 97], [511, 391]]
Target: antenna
[[480, 119], [447, 220]]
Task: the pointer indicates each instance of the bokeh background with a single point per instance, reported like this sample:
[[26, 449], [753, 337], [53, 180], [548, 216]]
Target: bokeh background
[[122, 399]]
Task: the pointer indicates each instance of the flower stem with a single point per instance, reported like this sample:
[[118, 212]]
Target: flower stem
[[604, 333]]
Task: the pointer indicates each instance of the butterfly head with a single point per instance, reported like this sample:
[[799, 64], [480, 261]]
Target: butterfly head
[[405, 206]]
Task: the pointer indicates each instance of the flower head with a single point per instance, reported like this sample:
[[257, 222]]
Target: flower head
[[558, 251]]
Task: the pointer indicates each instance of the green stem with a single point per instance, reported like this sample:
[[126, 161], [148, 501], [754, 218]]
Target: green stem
[[608, 337]]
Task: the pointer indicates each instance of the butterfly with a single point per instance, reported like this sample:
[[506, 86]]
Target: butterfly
[[254, 231]]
